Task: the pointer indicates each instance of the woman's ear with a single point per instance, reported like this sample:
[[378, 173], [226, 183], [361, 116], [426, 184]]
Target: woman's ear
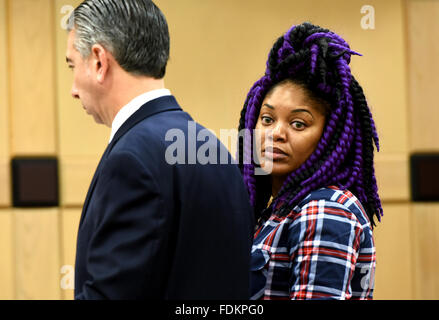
[[100, 62]]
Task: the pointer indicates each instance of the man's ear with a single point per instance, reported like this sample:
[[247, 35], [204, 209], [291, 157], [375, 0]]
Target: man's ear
[[100, 62]]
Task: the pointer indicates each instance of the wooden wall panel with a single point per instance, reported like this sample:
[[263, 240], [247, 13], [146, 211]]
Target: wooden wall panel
[[423, 68], [7, 272], [4, 110], [423, 62], [426, 250], [70, 223], [393, 240], [77, 175], [4, 120], [33, 132], [392, 173], [37, 254], [32, 77], [5, 180]]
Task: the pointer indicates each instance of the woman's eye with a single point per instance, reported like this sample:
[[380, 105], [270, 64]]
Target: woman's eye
[[298, 125], [266, 120]]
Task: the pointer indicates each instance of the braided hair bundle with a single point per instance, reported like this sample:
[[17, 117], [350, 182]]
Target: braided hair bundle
[[318, 60]]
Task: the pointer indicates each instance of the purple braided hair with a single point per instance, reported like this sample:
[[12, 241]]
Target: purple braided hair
[[319, 60]]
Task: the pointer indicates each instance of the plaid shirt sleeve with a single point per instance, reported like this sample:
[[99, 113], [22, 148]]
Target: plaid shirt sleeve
[[325, 239]]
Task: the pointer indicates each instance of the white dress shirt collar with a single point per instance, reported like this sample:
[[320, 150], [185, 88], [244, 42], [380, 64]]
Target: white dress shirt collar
[[134, 105]]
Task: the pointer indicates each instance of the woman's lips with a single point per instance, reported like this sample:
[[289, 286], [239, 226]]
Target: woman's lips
[[275, 153]]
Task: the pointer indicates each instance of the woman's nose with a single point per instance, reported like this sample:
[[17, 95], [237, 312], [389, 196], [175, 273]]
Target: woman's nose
[[279, 132]]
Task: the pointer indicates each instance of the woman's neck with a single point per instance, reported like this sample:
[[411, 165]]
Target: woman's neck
[[276, 184]]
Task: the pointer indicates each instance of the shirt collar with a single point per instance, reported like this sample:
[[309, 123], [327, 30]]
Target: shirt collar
[[134, 105]]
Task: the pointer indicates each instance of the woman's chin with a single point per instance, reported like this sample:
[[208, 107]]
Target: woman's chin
[[275, 168]]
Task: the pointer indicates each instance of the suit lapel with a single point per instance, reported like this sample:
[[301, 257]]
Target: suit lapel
[[167, 103]]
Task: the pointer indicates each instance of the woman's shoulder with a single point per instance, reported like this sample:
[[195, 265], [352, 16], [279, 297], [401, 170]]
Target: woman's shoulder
[[334, 199], [331, 193]]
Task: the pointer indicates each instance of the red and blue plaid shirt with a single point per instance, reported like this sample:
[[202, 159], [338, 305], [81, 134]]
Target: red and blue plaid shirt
[[323, 249]]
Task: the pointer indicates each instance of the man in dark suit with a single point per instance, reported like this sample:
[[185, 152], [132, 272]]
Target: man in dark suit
[[154, 223]]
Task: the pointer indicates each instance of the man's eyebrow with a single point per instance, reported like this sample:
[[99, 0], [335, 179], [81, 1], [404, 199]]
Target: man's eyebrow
[[68, 60]]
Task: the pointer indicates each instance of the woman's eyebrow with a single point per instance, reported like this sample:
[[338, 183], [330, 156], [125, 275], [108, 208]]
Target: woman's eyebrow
[[292, 111], [302, 110], [268, 105]]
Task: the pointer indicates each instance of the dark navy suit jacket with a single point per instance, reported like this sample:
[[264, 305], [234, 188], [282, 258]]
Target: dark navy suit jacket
[[152, 230]]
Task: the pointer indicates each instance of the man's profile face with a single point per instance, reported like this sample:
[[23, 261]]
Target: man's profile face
[[83, 81]]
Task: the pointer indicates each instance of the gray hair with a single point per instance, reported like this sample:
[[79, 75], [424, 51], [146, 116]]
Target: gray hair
[[134, 31]]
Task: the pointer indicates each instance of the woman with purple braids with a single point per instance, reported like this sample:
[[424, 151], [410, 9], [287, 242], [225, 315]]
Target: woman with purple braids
[[307, 161]]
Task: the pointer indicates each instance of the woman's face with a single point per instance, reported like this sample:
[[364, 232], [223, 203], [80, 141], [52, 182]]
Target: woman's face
[[289, 128]]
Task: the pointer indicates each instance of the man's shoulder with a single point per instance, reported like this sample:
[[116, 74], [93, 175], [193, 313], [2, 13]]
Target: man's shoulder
[[164, 129]]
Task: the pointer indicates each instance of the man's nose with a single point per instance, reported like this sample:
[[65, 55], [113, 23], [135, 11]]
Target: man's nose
[[74, 92]]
